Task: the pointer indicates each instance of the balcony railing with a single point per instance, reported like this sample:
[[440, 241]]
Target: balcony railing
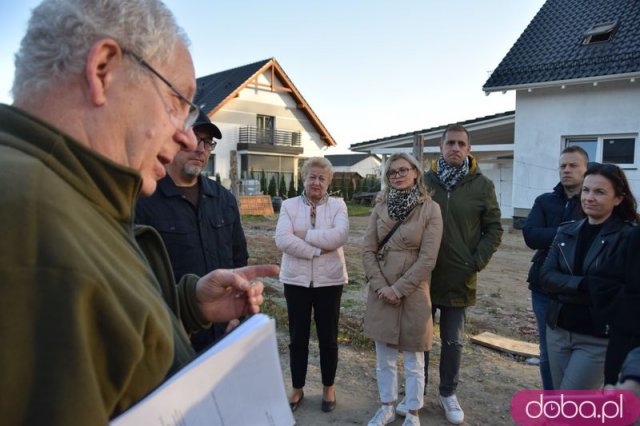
[[252, 134]]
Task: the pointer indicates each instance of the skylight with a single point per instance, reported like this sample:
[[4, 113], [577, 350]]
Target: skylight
[[599, 33]]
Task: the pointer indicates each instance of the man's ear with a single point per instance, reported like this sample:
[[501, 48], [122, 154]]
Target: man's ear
[[103, 58]]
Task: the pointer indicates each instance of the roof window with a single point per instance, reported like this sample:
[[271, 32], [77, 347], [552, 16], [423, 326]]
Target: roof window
[[599, 33]]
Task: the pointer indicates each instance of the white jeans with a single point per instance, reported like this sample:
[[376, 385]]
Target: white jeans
[[387, 374]]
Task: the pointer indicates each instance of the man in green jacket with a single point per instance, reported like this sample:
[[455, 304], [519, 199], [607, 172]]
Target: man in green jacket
[[90, 317], [471, 234]]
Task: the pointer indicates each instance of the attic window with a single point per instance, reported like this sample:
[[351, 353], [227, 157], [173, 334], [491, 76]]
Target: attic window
[[599, 33]]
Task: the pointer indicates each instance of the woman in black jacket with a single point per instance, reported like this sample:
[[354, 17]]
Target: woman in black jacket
[[577, 331]]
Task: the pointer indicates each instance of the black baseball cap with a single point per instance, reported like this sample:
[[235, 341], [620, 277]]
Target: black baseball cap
[[203, 122]]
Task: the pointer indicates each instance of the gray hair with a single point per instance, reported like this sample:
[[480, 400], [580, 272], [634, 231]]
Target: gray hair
[[422, 189], [61, 32], [319, 162]]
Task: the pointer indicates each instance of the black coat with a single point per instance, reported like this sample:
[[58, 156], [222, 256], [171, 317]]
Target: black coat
[[619, 300], [548, 212], [605, 258], [200, 239]]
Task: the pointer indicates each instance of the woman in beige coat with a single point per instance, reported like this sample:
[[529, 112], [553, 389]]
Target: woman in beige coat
[[398, 315]]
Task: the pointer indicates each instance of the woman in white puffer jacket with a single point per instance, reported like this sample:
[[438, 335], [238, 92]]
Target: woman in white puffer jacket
[[311, 230]]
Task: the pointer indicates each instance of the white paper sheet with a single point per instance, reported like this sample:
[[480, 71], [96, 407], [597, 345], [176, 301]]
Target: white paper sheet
[[236, 382]]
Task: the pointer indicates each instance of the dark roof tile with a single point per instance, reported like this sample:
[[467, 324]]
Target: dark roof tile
[[344, 160], [550, 48], [214, 88]]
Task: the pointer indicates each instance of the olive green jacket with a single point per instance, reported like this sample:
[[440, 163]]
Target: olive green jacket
[[84, 329], [472, 233]]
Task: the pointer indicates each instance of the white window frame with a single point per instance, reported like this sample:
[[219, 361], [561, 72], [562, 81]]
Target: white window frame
[[599, 139]]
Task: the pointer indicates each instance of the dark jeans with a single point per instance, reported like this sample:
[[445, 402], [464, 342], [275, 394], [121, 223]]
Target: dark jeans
[[325, 304], [451, 339], [539, 303]]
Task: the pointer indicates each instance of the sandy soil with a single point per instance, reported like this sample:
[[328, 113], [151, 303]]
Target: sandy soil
[[488, 379]]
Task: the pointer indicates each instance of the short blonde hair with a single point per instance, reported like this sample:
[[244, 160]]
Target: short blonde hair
[[422, 189], [319, 162]]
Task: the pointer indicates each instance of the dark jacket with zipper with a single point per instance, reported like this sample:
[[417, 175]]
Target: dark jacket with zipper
[[548, 212], [619, 300], [571, 292]]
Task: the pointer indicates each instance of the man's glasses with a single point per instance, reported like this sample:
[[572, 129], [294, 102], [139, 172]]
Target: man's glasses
[[208, 142], [402, 172], [193, 109]]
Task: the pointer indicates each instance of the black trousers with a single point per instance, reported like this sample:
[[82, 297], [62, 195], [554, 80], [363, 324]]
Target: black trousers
[[325, 304]]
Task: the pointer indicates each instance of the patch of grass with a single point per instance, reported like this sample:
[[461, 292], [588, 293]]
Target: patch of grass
[[273, 307], [358, 209], [255, 217], [356, 282], [351, 332]]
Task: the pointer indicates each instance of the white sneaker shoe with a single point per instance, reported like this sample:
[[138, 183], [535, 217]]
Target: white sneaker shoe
[[385, 415], [452, 409], [411, 420], [401, 408]]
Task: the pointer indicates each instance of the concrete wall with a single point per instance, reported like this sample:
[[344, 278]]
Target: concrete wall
[[544, 117]]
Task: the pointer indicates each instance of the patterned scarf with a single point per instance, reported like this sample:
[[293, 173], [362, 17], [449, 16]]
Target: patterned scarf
[[450, 176], [400, 203], [313, 206]]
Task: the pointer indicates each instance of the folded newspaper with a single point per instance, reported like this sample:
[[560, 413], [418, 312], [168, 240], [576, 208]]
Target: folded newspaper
[[238, 381]]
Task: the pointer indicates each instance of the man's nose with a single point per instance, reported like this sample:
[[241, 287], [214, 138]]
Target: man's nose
[[187, 140]]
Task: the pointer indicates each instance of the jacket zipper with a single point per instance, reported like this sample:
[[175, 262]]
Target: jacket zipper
[[565, 259]]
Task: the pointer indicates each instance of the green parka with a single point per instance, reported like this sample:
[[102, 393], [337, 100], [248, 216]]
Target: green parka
[[472, 233], [90, 321]]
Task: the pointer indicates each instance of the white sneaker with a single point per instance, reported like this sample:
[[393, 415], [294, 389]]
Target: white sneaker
[[411, 420], [452, 409], [385, 415], [401, 408]]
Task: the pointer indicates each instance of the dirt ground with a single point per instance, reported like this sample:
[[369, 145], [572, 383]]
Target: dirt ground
[[488, 379]]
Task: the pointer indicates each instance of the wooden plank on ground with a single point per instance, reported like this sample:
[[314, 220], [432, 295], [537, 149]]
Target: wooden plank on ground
[[505, 344]]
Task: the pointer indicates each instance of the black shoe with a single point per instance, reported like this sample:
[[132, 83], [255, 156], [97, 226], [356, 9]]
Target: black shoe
[[328, 406], [294, 405]]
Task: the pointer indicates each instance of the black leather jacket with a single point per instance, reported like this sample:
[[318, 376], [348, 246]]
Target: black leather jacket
[[605, 257]]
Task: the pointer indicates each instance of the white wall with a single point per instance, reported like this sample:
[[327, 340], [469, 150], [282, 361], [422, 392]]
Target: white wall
[[545, 116], [243, 110]]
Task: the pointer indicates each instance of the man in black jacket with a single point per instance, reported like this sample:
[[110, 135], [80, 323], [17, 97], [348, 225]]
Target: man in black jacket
[[548, 212], [198, 219]]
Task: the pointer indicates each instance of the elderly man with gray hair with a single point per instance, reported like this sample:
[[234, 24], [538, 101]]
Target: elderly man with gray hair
[[90, 317]]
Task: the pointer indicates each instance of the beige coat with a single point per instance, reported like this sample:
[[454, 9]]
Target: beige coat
[[411, 256]]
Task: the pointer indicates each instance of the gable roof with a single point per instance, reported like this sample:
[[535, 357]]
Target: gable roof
[[346, 160], [215, 90], [550, 49]]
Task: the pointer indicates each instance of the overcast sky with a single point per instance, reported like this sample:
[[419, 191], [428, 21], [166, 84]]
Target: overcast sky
[[368, 68]]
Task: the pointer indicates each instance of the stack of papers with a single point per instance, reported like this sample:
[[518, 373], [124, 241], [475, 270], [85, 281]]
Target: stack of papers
[[238, 381]]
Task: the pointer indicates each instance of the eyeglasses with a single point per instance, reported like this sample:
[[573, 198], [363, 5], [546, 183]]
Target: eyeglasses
[[193, 109], [402, 172], [207, 141]]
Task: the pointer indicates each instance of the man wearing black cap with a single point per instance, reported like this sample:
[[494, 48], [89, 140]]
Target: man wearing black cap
[[198, 218]]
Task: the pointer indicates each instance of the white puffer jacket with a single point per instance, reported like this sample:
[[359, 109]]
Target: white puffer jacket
[[300, 263]]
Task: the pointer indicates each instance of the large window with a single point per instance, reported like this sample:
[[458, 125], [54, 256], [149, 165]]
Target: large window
[[607, 149]]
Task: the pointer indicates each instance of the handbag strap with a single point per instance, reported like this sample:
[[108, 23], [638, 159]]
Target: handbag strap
[[395, 227], [386, 238]]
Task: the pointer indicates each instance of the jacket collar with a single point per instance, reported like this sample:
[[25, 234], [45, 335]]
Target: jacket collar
[[559, 190], [168, 188], [609, 229], [111, 186], [473, 165]]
